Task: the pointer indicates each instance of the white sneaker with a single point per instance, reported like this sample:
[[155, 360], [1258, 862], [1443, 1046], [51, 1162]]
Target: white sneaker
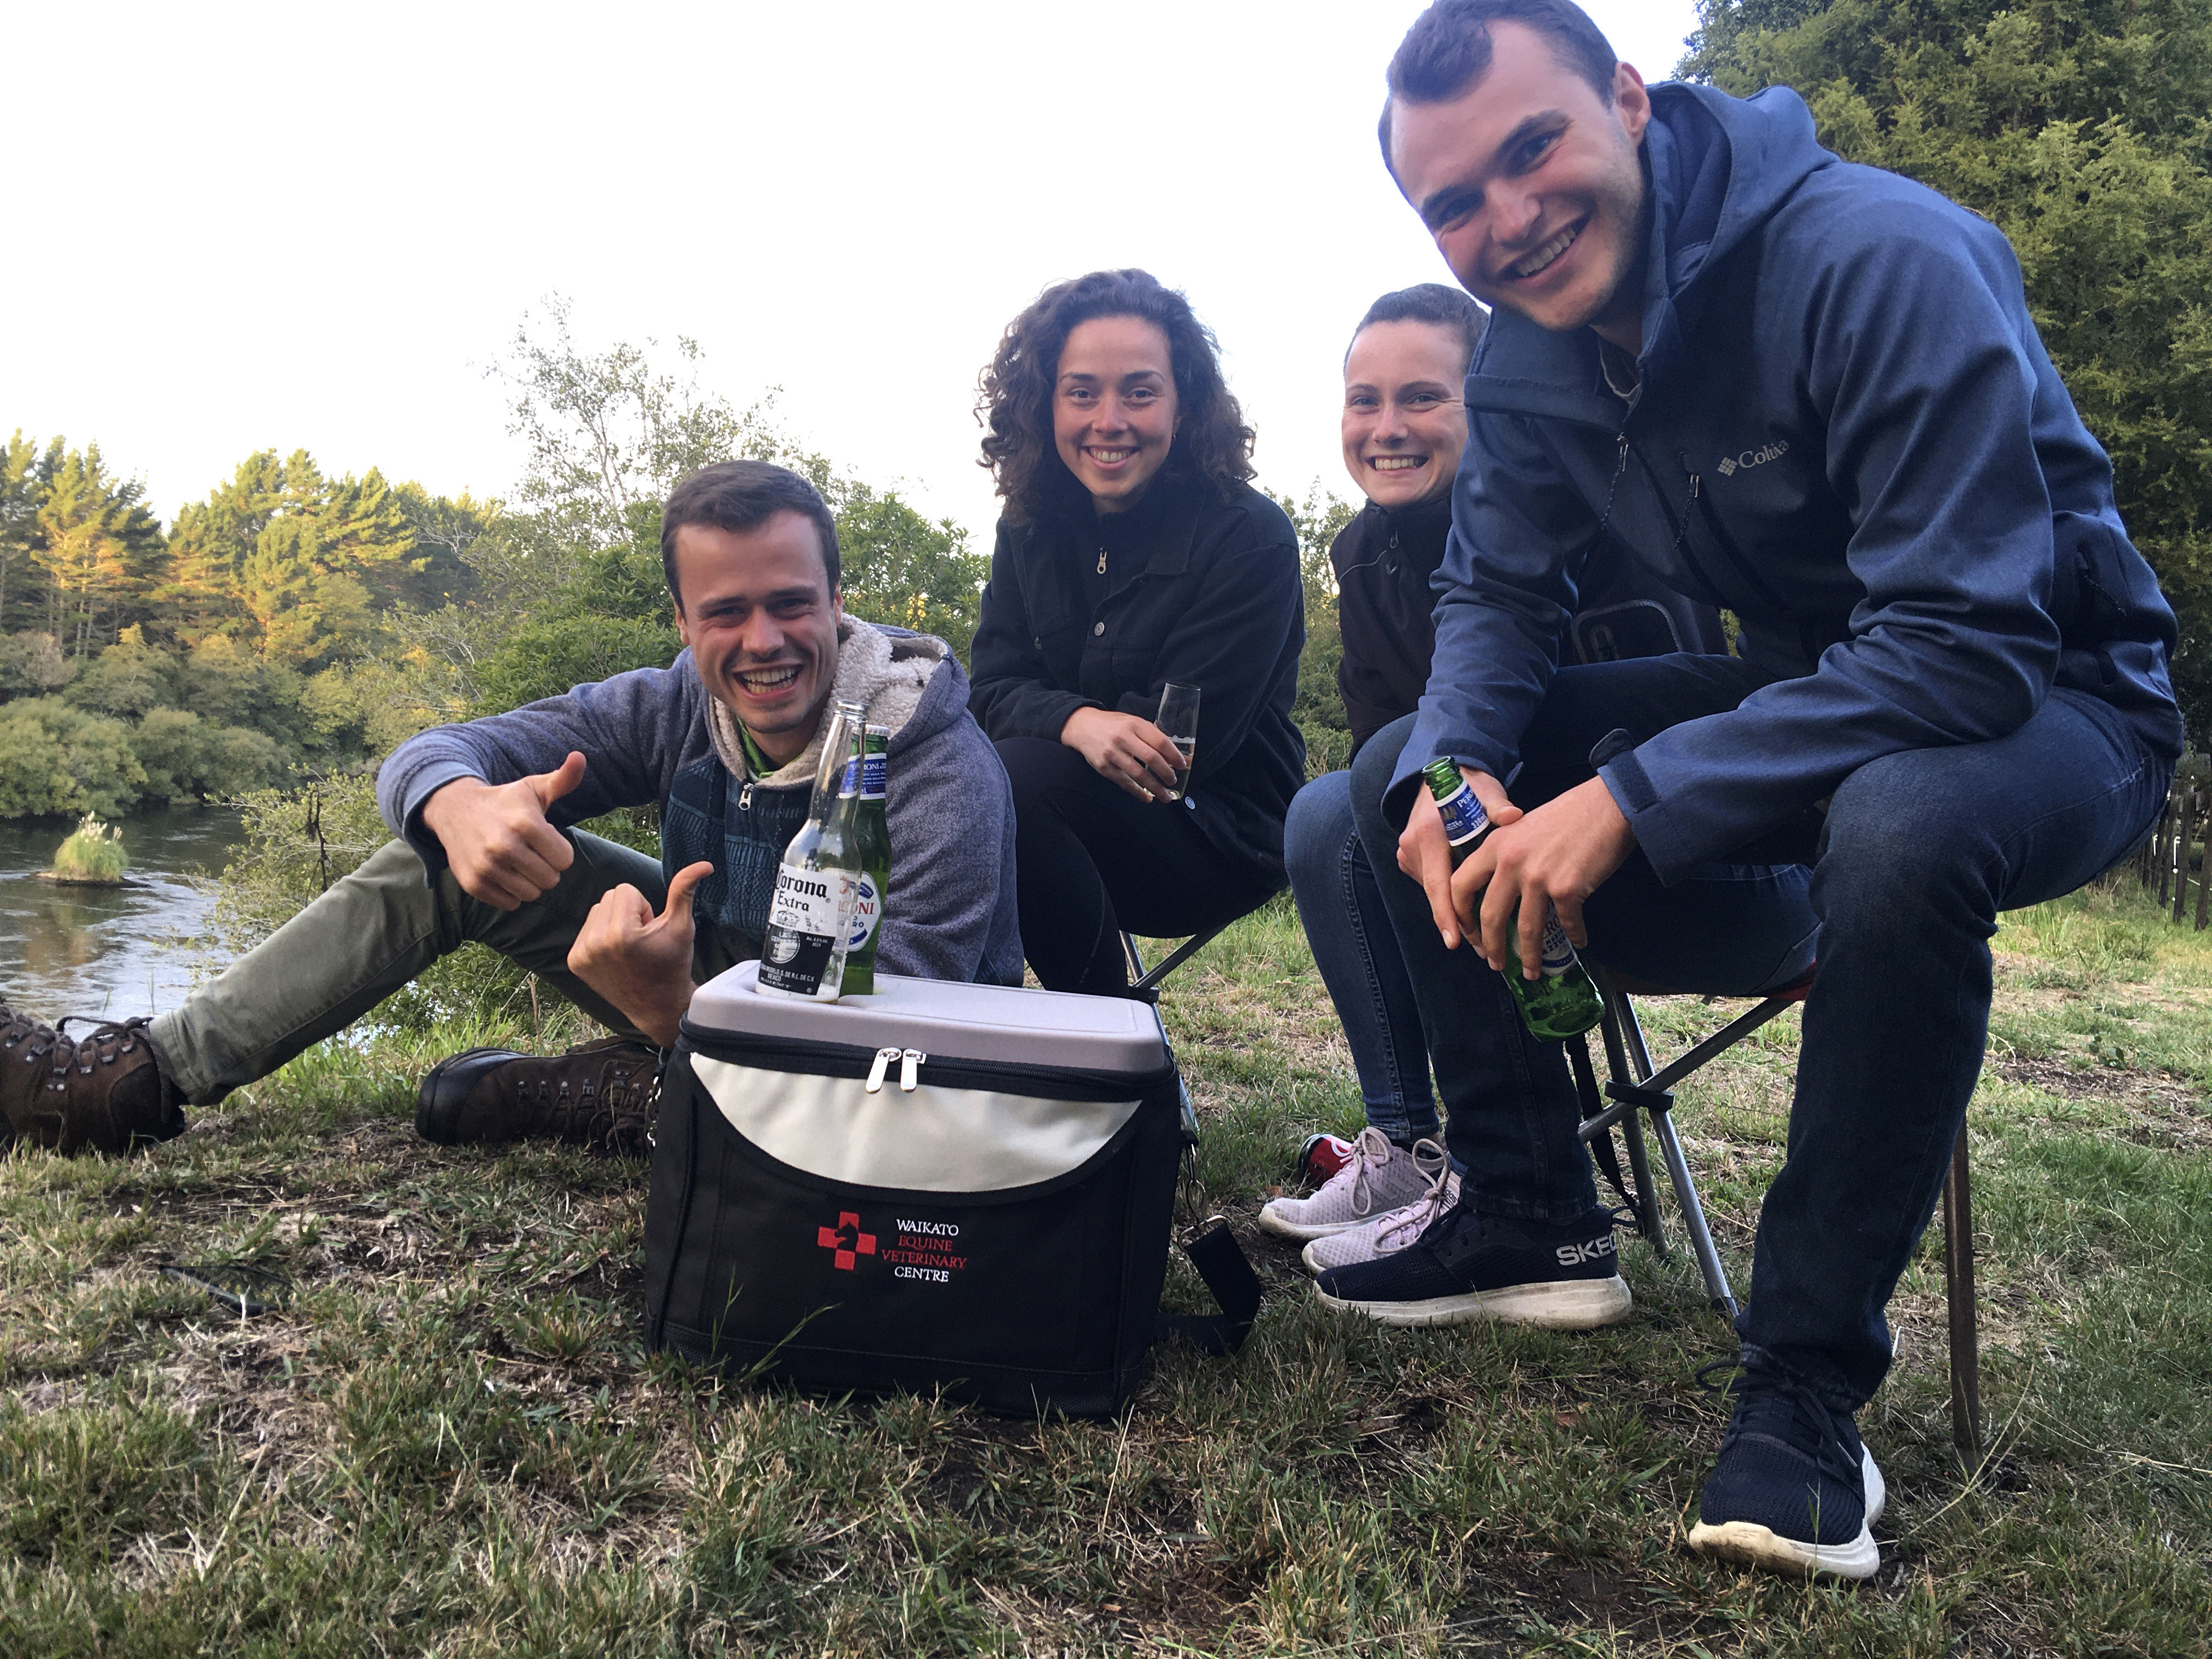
[[1387, 1233], [1380, 1177]]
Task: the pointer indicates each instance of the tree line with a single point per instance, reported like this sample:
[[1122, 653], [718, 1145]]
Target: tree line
[[295, 622]]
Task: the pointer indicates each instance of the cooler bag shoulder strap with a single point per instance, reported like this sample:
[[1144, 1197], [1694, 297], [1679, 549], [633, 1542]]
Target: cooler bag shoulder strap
[[1220, 1262]]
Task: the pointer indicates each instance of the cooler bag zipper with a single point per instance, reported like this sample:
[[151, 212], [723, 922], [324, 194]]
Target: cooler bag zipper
[[873, 1067]]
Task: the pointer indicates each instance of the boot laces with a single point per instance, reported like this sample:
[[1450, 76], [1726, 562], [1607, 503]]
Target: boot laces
[[106, 1039], [609, 1102]]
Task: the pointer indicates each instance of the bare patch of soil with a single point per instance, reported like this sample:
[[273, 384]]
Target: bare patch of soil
[[2162, 1109]]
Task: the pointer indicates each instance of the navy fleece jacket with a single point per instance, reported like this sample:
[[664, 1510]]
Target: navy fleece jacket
[[1848, 433]]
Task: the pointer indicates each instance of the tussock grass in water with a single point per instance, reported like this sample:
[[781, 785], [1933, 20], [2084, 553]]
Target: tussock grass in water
[[450, 1440], [94, 852]]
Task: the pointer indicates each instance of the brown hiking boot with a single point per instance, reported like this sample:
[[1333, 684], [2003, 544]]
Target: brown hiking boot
[[599, 1095], [103, 1090]]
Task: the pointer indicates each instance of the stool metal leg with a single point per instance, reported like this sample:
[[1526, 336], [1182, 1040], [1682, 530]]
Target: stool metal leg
[[1959, 1303], [1637, 1057], [1693, 1216], [1620, 1020], [1639, 1169]]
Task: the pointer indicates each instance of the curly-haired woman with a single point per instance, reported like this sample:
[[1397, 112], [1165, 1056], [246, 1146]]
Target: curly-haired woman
[[1132, 553]]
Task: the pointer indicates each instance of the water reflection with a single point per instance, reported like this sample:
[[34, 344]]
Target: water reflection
[[109, 951]]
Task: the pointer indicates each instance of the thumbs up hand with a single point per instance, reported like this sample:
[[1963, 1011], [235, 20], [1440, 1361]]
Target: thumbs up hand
[[501, 846], [639, 962]]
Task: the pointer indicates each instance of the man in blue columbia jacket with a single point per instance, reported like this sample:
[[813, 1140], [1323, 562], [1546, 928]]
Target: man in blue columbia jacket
[[1811, 393]]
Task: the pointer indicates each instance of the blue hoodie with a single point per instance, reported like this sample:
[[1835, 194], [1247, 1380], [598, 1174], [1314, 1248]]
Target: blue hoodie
[[1848, 433]]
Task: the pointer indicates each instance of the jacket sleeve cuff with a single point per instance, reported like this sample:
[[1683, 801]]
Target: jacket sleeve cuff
[[415, 792], [1050, 713], [1658, 833]]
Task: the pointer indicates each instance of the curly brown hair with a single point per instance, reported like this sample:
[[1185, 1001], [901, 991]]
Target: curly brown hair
[[1212, 441]]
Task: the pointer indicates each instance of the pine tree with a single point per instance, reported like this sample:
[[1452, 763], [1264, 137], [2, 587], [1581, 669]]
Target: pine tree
[[100, 548], [26, 475], [209, 545]]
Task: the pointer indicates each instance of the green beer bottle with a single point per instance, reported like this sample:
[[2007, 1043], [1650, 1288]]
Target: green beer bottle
[[875, 840], [1564, 1002]]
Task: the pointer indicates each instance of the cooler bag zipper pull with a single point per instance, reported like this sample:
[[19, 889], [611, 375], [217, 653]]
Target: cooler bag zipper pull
[[884, 1059], [909, 1061]]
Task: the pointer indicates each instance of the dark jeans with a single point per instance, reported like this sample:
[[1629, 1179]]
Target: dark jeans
[[1090, 859], [1355, 948], [1918, 852]]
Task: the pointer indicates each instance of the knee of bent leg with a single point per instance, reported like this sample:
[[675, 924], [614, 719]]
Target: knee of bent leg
[[1372, 769], [1315, 830], [1896, 846]]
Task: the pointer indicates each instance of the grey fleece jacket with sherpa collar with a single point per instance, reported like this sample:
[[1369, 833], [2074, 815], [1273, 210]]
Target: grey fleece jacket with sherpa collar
[[655, 735]]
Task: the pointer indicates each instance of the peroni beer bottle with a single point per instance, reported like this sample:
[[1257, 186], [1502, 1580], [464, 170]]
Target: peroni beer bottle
[[874, 892], [1564, 1002]]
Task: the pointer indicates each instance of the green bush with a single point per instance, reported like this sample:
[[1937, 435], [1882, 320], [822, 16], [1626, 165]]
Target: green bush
[[126, 680], [33, 661], [94, 852], [184, 754], [55, 759]]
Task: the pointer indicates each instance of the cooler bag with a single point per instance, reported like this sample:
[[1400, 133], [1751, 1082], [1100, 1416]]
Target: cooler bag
[[937, 1186]]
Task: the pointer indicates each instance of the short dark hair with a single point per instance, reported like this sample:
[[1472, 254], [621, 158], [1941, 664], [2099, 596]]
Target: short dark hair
[[1211, 442], [1429, 302], [736, 495], [1447, 50]]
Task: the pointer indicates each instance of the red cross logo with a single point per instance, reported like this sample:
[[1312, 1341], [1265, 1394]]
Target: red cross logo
[[834, 1239]]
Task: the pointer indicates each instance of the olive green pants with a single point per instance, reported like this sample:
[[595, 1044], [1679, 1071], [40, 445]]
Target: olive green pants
[[372, 934]]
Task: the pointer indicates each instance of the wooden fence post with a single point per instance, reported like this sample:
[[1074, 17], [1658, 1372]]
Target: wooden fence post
[[2204, 866], [2161, 844], [2187, 804]]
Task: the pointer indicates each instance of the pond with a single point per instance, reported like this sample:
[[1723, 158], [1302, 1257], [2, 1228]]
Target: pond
[[109, 951]]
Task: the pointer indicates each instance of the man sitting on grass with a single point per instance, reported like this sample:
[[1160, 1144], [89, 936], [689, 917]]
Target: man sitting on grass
[[1811, 393], [725, 742]]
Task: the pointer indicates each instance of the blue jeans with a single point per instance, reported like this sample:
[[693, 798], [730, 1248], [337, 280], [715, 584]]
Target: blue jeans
[[1357, 951], [1899, 886]]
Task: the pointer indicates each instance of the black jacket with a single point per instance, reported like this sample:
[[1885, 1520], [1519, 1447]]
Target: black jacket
[[1385, 561], [1198, 590]]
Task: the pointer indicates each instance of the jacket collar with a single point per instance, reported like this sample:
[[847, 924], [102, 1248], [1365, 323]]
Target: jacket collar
[[1418, 525], [1715, 168], [1164, 523]]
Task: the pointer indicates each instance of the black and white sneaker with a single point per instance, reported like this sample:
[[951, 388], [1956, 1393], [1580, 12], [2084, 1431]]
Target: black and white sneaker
[[1794, 1488], [1466, 1267]]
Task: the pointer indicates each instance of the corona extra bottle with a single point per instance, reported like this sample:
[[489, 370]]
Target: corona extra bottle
[[809, 917]]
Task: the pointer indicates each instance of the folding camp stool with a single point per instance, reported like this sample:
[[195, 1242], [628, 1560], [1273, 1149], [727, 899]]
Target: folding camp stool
[[1146, 983], [1635, 1087]]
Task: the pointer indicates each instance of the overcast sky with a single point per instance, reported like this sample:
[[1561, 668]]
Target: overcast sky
[[240, 226]]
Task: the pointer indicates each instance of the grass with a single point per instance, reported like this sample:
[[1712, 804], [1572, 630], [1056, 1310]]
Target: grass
[[452, 1441], [93, 852]]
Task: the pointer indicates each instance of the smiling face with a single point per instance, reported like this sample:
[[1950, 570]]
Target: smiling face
[[1404, 424], [761, 619], [1532, 185], [1114, 412]]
